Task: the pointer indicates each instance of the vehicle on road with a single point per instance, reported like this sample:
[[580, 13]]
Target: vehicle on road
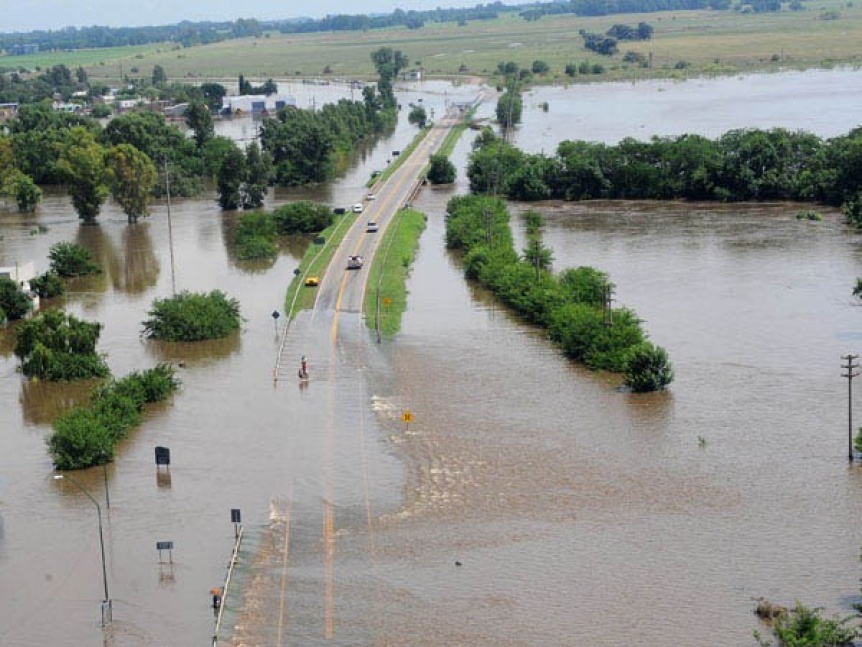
[[372, 227], [312, 281], [354, 262], [370, 196], [357, 208]]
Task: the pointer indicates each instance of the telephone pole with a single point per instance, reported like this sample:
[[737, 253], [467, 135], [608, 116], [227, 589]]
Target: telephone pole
[[850, 367]]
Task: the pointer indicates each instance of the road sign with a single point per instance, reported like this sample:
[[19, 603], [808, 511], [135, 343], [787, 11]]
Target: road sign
[[163, 456], [387, 301], [407, 416]]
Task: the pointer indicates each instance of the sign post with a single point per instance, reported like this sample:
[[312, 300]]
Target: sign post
[[236, 518], [407, 417]]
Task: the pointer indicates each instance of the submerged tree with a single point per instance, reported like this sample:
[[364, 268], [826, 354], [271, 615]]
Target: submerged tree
[[191, 316], [131, 177], [441, 170], [82, 162], [13, 302], [648, 368], [68, 260], [57, 346]]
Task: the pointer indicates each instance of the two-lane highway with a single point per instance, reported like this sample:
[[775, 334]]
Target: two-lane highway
[[346, 288]]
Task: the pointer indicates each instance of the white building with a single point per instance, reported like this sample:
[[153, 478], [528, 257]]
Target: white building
[[256, 104], [22, 274]]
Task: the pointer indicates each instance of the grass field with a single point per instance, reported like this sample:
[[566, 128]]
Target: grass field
[[826, 33]]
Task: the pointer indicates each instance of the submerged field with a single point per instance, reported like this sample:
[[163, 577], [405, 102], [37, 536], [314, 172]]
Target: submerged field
[[684, 44]]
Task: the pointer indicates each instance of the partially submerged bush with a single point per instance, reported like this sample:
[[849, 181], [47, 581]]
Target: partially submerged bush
[[13, 302], [60, 347], [302, 217], [647, 368], [87, 436], [255, 236], [192, 316], [69, 259], [47, 285]]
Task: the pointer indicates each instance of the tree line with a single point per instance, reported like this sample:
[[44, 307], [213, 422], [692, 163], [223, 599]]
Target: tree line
[[573, 306], [138, 154], [740, 165], [189, 34]]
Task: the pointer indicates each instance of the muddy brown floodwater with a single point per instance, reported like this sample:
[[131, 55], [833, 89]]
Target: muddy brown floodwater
[[529, 502]]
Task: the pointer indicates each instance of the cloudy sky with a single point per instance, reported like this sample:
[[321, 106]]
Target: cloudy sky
[[27, 15]]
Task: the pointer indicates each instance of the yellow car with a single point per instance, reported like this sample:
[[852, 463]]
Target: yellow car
[[312, 281]]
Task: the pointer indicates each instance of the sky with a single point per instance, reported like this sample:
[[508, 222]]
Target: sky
[[29, 15]]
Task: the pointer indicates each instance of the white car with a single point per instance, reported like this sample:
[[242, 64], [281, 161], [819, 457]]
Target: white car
[[357, 208], [354, 262], [370, 196], [372, 227]]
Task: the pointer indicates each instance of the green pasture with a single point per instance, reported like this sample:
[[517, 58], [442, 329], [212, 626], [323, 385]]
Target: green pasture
[[825, 33], [106, 60]]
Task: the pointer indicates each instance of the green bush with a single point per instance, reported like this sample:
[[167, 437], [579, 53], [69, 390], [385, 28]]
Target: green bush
[[441, 170], [806, 627], [255, 236], [47, 285], [302, 217], [647, 368], [56, 346], [570, 306], [68, 260], [14, 303], [87, 436], [193, 317]]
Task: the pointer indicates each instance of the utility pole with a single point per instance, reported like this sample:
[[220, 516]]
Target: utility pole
[[850, 367], [607, 300], [170, 229]]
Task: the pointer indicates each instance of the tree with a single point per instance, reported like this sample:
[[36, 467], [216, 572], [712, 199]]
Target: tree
[[47, 285], [441, 170], [200, 120], [509, 108], [648, 368], [540, 67], [258, 173], [193, 317], [417, 116], [131, 177], [303, 217], [13, 302], [159, 76], [68, 260], [60, 347], [82, 161], [21, 188], [213, 94], [231, 177]]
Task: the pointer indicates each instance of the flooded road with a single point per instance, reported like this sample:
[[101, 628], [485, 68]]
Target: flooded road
[[578, 514]]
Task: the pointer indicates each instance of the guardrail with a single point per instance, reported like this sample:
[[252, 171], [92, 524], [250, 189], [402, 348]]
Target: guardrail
[[226, 587]]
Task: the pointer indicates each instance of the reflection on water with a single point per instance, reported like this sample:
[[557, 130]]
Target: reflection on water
[[195, 353], [42, 402], [140, 266]]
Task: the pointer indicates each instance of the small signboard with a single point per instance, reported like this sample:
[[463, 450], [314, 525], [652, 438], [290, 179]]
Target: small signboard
[[407, 416], [168, 546], [163, 456], [235, 515]]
